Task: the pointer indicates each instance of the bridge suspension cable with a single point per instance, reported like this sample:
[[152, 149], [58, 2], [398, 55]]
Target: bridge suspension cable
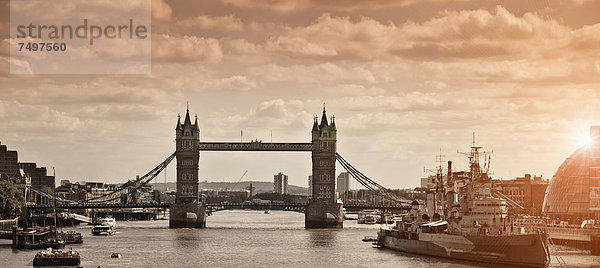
[[371, 185], [124, 189]]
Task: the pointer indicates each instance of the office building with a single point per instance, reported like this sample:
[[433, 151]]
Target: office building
[[280, 183]]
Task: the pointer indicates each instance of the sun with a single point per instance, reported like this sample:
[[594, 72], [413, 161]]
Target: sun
[[586, 140]]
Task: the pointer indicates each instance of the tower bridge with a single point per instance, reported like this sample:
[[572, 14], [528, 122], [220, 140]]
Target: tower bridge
[[322, 212], [189, 211]]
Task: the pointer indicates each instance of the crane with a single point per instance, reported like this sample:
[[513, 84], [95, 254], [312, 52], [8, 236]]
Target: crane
[[242, 176]]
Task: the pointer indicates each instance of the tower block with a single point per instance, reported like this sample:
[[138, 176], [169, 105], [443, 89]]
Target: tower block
[[188, 210], [323, 211]]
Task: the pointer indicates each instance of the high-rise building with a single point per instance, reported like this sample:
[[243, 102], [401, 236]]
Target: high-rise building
[[9, 163], [10, 166], [343, 183], [280, 183], [39, 175], [527, 192]]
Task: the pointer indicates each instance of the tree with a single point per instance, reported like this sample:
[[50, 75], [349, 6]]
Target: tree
[[11, 200]]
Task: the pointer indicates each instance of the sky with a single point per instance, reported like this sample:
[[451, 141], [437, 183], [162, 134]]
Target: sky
[[403, 78]]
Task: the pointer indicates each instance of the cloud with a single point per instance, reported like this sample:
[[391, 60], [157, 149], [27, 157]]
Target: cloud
[[242, 46], [236, 82], [161, 10], [337, 5], [285, 117], [299, 46], [336, 36], [227, 22], [276, 5], [185, 48], [450, 35], [315, 73], [581, 2], [89, 92]]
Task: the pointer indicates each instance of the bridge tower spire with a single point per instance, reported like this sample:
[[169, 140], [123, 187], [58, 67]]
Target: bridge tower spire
[[188, 210], [323, 211]]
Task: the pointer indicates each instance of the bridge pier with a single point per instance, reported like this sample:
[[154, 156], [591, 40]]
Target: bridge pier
[[187, 216], [324, 216]]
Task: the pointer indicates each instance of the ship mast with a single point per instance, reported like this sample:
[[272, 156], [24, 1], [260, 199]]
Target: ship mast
[[476, 172], [54, 199], [440, 191], [439, 194]]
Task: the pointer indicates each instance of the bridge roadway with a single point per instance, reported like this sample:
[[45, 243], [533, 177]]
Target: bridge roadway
[[255, 146], [224, 205]]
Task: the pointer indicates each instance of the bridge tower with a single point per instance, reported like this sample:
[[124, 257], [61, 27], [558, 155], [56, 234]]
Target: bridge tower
[[188, 210], [323, 211]]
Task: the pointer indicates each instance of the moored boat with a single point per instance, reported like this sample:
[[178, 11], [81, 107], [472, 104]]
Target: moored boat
[[36, 238], [59, 257], [467, 223], [71, 237], [368, 216], [370, 219]]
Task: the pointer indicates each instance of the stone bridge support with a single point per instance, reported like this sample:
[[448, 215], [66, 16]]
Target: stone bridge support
[[323, 211]]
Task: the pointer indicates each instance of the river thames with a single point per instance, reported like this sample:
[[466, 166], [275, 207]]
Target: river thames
[[247, 238]]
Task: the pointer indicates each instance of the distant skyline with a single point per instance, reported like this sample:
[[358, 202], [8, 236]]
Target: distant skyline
[[403, 79]]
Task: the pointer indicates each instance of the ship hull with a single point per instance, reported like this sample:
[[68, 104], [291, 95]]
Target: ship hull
[[49, 261], [514, 250]]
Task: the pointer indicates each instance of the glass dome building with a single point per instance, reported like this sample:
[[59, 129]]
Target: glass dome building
[[574, 191]]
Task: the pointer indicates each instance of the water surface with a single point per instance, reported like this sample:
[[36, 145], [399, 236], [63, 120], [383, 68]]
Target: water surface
[[247, 238]]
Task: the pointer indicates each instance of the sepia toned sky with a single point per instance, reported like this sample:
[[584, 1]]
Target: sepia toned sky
[[403, 78]]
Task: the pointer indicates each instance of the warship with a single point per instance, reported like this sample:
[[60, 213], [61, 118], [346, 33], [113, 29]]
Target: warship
[[467, 221]]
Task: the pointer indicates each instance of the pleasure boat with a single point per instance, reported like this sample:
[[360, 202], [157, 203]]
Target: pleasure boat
[[102, 230]]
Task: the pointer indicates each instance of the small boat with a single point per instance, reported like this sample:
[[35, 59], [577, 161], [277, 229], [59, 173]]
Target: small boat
[[115, 255], [58, 257], [71, 237], [389, 219], [102, 230], [370, 219], [368, 216], [267, 211], [57, 242], [108, 221], [161, 217], [369, 239]]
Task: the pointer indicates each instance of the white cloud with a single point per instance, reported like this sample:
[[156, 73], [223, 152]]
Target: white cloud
[[161, 10], [227, 22], [185, 48]]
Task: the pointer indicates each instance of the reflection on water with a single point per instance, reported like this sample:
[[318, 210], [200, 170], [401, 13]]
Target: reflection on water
[[243, 238], [322, 238], [187, 239]]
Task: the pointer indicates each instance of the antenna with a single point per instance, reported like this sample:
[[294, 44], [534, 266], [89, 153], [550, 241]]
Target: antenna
[[473, 156]]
